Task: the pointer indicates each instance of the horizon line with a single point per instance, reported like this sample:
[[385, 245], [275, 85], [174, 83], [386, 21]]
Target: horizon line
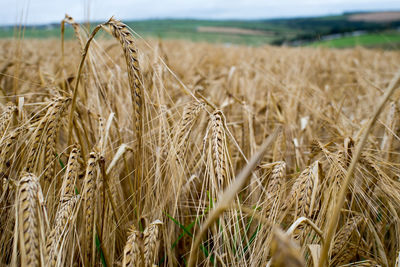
[[211, 19]]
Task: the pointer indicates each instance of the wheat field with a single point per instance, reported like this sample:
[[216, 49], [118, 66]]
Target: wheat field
[[116, 151]]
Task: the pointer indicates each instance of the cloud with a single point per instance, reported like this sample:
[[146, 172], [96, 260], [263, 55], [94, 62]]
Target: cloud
[[45, 11]]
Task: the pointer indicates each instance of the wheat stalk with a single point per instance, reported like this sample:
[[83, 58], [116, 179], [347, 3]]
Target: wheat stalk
[[279, 148], [364, 263], [390, 129]]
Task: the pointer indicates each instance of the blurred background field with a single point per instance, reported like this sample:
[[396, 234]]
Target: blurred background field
[[369, 29]]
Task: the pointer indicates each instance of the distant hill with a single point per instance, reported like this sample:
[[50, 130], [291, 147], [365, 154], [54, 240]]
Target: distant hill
[[292, 31]]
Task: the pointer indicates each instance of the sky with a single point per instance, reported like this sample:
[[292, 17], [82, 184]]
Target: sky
[[45, 11]]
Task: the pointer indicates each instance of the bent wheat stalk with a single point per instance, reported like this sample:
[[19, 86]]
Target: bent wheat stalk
[[78, 76], [121, 32]]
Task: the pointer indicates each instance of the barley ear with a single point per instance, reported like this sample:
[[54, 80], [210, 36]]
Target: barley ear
[[89, 191], [68, 185], [218, 142], [150, 239], [132, 249], [28, 220]]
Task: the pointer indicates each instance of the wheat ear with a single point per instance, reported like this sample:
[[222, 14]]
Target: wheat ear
[[344, 235], [190, 113], [89, 204], [6, 119], [53, 124], [60, 230], [28, 220], [218, 148], [150, 239], [5, 159], [132, 249], [124, 36], [121, 32], [275, 188], [67, 188]]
